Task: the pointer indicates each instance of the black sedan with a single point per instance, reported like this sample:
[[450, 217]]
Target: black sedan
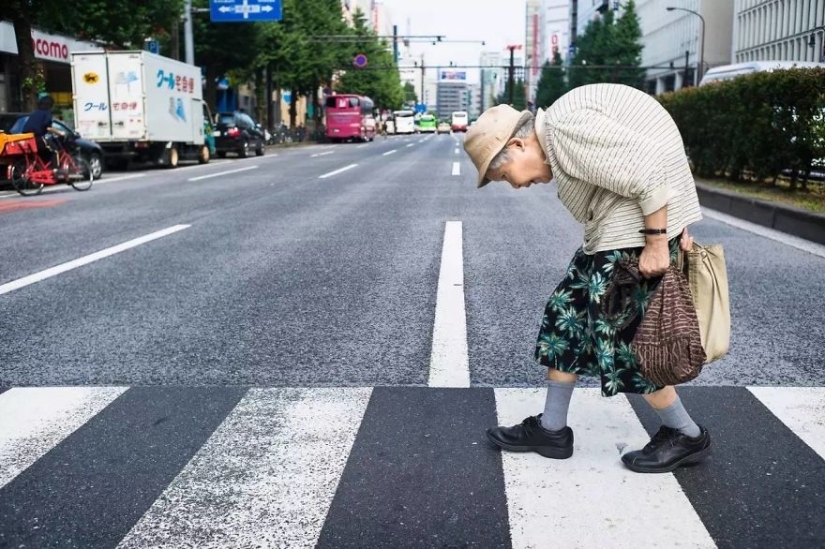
[[90, 150], [236, 132]]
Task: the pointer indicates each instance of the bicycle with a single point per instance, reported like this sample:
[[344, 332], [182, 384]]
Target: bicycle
[[31, 173]]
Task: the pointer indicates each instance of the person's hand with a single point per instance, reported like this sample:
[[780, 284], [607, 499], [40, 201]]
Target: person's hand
[[655, 258], [686, 242]]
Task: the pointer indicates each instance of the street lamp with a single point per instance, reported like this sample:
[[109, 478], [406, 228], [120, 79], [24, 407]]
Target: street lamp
[[701, 70]]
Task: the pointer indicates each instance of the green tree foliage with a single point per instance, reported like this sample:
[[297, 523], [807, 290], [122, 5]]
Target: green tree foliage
[[409, 93], [551, 84], [519, 96], [610, 50], [380, 80]]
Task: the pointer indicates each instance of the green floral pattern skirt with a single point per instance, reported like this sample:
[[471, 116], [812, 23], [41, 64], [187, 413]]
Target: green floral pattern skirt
[[587, 331]]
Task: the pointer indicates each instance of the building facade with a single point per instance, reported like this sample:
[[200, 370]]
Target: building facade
[[779, 30], [452, 93], [492, 78], [535, 48], [557, 27], [672, 40], [54, 52]]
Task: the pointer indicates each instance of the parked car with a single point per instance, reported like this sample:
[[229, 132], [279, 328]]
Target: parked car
[[236, 132], [443, 127], [90, 150]]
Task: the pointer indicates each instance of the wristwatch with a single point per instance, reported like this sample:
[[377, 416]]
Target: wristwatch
[[653, 231]]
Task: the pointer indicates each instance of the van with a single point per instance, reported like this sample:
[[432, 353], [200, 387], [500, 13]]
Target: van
[[728, 72]]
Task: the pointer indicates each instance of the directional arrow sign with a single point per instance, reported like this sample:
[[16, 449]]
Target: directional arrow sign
[[245, 11]]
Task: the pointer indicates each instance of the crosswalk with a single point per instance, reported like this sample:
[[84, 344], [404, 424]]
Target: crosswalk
[[365, 467]]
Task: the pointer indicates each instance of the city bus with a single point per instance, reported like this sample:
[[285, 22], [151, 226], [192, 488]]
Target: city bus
[[427, 123], [459, 121], [404, 122], [348, 117]]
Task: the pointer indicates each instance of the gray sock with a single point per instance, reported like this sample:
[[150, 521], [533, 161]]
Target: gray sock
[[676, 417], [556, 405]]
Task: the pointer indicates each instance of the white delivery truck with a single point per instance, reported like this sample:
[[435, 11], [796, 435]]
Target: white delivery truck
[[140, 106]]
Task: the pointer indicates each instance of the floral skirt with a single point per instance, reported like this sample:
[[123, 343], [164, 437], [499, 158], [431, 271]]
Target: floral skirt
[[586, 332]]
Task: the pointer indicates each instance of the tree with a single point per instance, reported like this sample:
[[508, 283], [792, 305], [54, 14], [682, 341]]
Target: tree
[[551, 84], [613, 48], [409, 93], [519, 96], [380, 80]]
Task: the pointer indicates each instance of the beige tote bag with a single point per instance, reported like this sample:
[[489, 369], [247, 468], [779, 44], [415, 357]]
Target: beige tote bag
[[708, 278]]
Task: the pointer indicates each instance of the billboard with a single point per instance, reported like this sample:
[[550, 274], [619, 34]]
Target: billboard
[[453, 75]]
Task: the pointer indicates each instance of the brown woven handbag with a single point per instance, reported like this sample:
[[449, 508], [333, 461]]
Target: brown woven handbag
[[667, 343]]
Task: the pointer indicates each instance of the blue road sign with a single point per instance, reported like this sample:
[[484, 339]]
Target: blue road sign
[[245, 11], [360, 61], [153, 46]]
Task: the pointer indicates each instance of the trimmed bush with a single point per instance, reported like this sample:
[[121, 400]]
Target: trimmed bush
[[761, 123]]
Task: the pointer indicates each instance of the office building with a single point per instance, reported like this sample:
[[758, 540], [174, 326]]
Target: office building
[[779, 30], [535, 47], [557, 27], [451, 92], [492, 78]]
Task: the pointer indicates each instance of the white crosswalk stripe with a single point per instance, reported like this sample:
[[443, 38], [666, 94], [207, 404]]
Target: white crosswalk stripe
[[266, 476], [270, 471]]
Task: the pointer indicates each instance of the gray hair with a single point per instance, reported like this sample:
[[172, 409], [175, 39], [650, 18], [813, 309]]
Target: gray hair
[[522, 132]]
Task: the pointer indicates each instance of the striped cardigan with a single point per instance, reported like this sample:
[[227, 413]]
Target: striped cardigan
[[616, 156]]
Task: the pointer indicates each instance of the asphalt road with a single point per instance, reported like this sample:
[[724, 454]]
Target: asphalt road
[[286, 278]]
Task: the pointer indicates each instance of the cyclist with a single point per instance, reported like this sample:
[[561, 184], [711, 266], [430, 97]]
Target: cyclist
[[40, 124]]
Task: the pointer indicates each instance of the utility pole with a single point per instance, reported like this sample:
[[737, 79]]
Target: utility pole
[[512, 80], [188, 33], [395, 44], [423, 102], [686, 82]]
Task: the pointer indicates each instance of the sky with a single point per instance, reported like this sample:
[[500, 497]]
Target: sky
[[496, 22]]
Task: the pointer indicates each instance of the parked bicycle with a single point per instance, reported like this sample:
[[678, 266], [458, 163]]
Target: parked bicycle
[[29, 172]]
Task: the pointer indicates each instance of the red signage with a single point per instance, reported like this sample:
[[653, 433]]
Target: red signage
[[50, 49]]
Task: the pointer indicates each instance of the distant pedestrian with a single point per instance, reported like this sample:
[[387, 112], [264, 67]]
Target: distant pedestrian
[[620, 166]]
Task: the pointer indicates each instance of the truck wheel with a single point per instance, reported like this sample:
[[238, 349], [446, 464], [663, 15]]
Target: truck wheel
[[203, 157], [172, 157]]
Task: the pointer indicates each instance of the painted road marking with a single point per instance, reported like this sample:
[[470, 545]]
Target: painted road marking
[[336, 172], [362, 146], [61, 188], [211, 175], [390, 152], [410, 145], [660, 513], [449, 360], [784, 238], [34, 420], [456, 151], [800, 408], [74, 264], [269, 472], [9, 207], [456, 168], [322, 154]]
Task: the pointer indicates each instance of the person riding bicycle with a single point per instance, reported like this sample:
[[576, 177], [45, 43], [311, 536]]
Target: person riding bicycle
[[40, 124]]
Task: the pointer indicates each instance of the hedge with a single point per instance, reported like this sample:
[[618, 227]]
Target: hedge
[[759, 124]]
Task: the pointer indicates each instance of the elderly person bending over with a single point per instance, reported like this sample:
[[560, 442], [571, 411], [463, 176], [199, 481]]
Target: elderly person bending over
[[621, 170]]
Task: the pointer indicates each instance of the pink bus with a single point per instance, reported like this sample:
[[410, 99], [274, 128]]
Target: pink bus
[[350, 117]]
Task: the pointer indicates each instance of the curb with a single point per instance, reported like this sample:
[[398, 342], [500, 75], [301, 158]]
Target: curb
[[787, 219]]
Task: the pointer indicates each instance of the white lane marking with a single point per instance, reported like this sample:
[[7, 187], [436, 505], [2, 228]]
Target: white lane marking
[[35, 420], [449, 360], [411, 144], [321, 154], [75, 263], [660, 513], [336, 172], [456, 151], [211, 175], [362, 146], [456, 168], [778, 236], [266, 476], [390, 152], [60, 188], [802, 409]]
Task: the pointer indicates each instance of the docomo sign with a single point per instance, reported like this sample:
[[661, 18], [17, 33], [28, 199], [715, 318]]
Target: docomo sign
[[53, 48]]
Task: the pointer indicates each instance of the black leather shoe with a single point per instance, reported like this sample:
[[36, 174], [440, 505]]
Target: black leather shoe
[[667, 451], [530, 436]]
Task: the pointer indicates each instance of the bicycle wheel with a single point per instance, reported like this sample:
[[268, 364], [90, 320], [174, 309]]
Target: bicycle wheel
[[22, 184], [80, 174]]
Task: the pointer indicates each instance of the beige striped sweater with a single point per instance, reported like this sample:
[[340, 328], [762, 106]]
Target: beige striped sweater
[[616, 156]]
